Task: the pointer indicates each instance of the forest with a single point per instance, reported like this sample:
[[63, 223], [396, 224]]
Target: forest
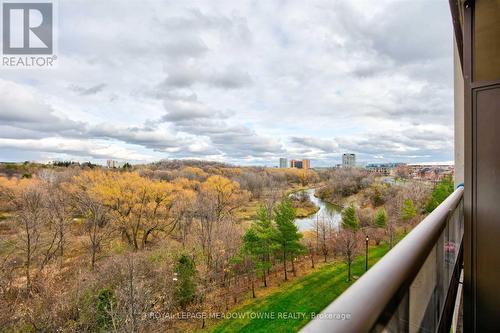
[[89, 249]]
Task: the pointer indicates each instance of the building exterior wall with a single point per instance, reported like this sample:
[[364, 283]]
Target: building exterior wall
[[349, 160], [482, 179], [459, 116], [306, 164]]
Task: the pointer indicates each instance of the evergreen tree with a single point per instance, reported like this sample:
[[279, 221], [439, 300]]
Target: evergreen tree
[[381, 219], [250, 254], [186, 287], [348, 241], [287, 235], [409, 210], [350, 220], [264, 230]]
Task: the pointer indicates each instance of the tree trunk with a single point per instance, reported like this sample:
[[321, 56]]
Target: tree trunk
[[284, 265], [61, 245], [28, 262], [92, 261]]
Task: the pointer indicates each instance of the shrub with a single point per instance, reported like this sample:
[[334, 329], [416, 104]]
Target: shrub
[[105, 303]]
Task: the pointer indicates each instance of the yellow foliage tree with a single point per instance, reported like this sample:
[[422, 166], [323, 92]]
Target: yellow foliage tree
[[224, 195], [140, 206]]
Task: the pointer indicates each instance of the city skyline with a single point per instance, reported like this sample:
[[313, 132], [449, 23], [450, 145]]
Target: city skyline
[[216, 82]]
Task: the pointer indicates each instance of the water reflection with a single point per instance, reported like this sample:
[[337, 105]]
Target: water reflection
[[326, 211]]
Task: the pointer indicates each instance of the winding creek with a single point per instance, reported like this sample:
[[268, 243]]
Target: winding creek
[[326, 210]]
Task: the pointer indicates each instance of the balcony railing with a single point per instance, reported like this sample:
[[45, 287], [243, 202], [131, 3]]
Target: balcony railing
[[412, 288]]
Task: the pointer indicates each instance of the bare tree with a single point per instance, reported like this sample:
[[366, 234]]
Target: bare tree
[[273, 195], [310, 249], [323, 230], [348, 243], [31, 214], [59, 218], [95, 215]]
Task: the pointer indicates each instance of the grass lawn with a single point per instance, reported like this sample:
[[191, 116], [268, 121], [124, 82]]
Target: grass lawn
[[306, 295]]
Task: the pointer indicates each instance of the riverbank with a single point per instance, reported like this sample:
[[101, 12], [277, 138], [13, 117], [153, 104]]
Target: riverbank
[[303, 209], [325, 211], [292, 304], [306, 210]]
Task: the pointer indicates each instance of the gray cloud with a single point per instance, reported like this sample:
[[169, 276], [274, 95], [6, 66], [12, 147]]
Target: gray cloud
[[327, 146], [88, 91], [189, 108], [234, 81], [230, 78], [21, 109], [80, 148], [401, 144]]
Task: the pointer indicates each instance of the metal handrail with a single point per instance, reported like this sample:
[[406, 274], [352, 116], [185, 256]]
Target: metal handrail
[[361, 305]]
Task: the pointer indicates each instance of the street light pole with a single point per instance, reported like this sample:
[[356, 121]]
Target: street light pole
[[366, 253]]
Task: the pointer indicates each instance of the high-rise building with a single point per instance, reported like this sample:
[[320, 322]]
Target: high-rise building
[[283, 163], [306, 164], [300, 164], [348, 160], [111, 164], [296, 164]]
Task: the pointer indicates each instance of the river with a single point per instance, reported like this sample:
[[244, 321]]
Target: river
[[326, 210]]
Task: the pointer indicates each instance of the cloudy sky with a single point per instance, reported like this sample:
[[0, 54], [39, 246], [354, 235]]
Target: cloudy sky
[[244, 82]]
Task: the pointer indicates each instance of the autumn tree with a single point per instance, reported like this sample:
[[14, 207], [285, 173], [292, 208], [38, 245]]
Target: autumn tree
[[140, 206], [225, 196], [96, 223], [89, 207], [183, 212], [219, 198]]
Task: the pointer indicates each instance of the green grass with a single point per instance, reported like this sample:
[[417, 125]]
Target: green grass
[[302, 297]]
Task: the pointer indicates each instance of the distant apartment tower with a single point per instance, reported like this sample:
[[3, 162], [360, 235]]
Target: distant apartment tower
[[283, 163], [306, 164], [300, 164], [111, 164], [348, 160]]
